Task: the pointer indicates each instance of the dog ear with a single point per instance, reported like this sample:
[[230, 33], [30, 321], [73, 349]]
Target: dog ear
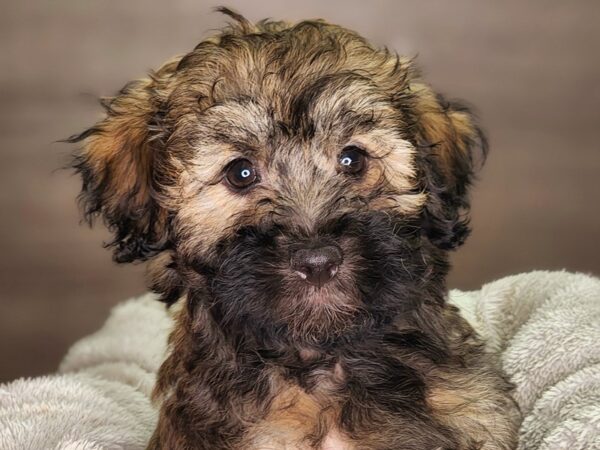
[[453, 147], [117, 162]]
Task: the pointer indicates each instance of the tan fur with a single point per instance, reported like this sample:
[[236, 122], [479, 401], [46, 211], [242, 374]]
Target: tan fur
[[259, 359], [479, 411], [450, 130]]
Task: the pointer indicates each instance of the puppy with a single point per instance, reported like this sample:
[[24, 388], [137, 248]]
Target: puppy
[[297, 192]]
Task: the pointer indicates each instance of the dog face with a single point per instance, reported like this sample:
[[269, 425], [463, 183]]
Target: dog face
[[294, 179]]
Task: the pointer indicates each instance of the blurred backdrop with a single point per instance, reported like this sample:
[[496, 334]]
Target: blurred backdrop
[[531, 68]]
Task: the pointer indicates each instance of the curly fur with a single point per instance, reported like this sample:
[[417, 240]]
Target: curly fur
[[375, 359]]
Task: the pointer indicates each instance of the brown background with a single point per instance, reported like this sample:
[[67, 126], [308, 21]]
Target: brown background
[[531, 68]]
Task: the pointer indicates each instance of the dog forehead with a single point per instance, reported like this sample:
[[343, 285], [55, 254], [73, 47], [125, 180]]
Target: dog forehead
[[254, 123], [298, 80], [275, 124]]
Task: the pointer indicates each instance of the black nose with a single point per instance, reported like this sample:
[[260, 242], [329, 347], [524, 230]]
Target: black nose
[[317, 265]]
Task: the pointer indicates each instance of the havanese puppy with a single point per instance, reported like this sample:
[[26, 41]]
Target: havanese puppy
[[297, 191]]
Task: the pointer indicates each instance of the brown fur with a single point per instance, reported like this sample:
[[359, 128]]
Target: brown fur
[[375, 359]]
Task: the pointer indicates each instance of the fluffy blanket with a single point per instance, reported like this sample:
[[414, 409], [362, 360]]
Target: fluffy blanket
[[545, 325]]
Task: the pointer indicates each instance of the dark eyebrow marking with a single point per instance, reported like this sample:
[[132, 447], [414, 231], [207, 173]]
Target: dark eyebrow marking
[[348, 121], [232, 123], [303, 102], [238, 137], [361, 121]]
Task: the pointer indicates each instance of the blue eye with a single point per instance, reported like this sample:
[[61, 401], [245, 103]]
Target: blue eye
[[241, 174], [353, 160]]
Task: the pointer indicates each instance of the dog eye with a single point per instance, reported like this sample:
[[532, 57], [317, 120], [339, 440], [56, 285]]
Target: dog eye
[[241, 174], [353, 160]]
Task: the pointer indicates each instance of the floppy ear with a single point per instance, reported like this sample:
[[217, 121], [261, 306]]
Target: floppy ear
[[453, 146], [117, 163]]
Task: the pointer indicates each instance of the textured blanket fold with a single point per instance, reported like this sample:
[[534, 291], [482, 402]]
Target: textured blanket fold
[[545, 325]]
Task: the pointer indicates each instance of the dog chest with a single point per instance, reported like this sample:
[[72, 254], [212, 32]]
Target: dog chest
[[297, 420]]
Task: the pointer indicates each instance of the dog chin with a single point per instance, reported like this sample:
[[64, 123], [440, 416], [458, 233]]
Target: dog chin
[[319, 314]]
